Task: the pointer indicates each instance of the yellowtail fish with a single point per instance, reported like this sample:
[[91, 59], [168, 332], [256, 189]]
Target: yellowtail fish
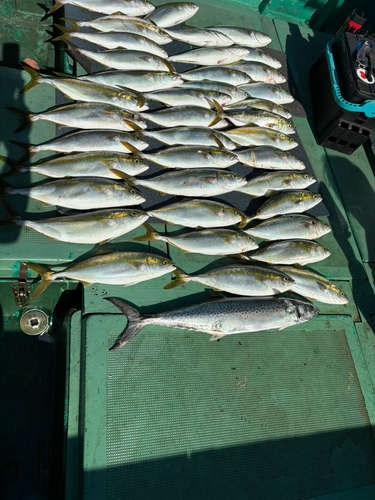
[[270, 158], [92, 228], [260, 72], [114, 268], [287, 202], [270, 183], [115, 40], [211, 56], [140, 81], [200, 213], [87, 140], [206, 241], [240, 280], [260, 136], [261, 119], [171, 14], [273, 93], [220, 317], [190, 182], [291, 252], [83, 115], [262, 104], [120, 23], [200, 37], [97, 164], [81, 194], [125, 59], [290, 227], [189, 97], [244, 36], [235, 93], [221, 74], [126, 7], [258, 55], [314, 286], [86, 91], [191, 136]]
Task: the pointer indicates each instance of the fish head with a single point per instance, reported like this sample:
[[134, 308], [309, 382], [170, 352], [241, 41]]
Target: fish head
[[122, 217], [239, 51], [281, 282], [187, 7], [158, 265], [262, 39], [173, 77], [230, 181], [321, 228], [143, 5], [310, 199], [334, 294], [245, 242], [122, 192], [222, 157], [304, 311], [288, 126], [134, 162], [306, 179]]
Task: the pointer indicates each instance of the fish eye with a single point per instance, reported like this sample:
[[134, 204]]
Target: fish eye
[[316, 196], [342, 294], [133, 214], [165, 262], [250, 238], [306, 176], [136, 161], [169, 74], [228, 154], [234, 176], [286, 278], [132, 191]]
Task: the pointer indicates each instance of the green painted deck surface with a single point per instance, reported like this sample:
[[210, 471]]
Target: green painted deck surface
[[271, 415]]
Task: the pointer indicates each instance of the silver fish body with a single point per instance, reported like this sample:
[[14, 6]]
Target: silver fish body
[[91, 228], [126, 7], [200, 213], [206, 241], [273, 93], [270, 183], [258, 55], [140, 81], [261, 136], [189, 97], [185, 116], [261, 119], [221, 317], [127, 24], [117, 40], [194, 182], [290, 227], [314, 286], [287, 202], [260, 72], [89, 116], [191, 136], [81, 194], [270, 158], [235, 93], [249, 280], [221, 74], [97, 140], [171, 14], [262, 104], [200, 37], [243, 36], [97, 164], [193, 157], [291, 252], [211, 56]]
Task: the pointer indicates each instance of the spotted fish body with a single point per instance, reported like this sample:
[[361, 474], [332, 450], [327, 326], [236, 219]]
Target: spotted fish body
[[290, 227], [220, 317]]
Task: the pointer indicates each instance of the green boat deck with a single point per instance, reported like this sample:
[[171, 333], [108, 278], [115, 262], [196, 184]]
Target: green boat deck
[[271, 415]]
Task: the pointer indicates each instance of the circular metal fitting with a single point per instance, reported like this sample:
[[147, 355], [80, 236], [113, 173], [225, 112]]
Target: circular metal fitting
[[34, 322]]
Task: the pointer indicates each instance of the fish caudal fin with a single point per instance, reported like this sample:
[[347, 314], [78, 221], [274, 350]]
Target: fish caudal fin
[[151, 234], [26, 118], [12, 215], [15, 169], [36, 79], [28, 147], [181, 279], [134, 325], [45, 274], [66, 33], [57, 6], [220, 114]]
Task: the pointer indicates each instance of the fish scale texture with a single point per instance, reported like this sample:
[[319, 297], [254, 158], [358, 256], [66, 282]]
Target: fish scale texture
[[275, 416]]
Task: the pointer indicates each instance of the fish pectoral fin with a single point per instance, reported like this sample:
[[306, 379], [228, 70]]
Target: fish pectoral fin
[[275, 291], [205, 154], [218, 141], [135, 265], [208, 180], [287, 182]]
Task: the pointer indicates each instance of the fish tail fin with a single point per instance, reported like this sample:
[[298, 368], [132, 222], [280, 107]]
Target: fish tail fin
[[36, 79], [151, 234], [4, 186], [58, 5], [244, 221], [181, 279], [28, 147], [133, 326], [46, 276], [12, 215], [14, 167], [131, 181], [73, 22], [66, 33], [220, 114], [72, 47], [27, 117]]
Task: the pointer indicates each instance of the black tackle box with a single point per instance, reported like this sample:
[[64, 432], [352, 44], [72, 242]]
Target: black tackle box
[[338, 125]]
